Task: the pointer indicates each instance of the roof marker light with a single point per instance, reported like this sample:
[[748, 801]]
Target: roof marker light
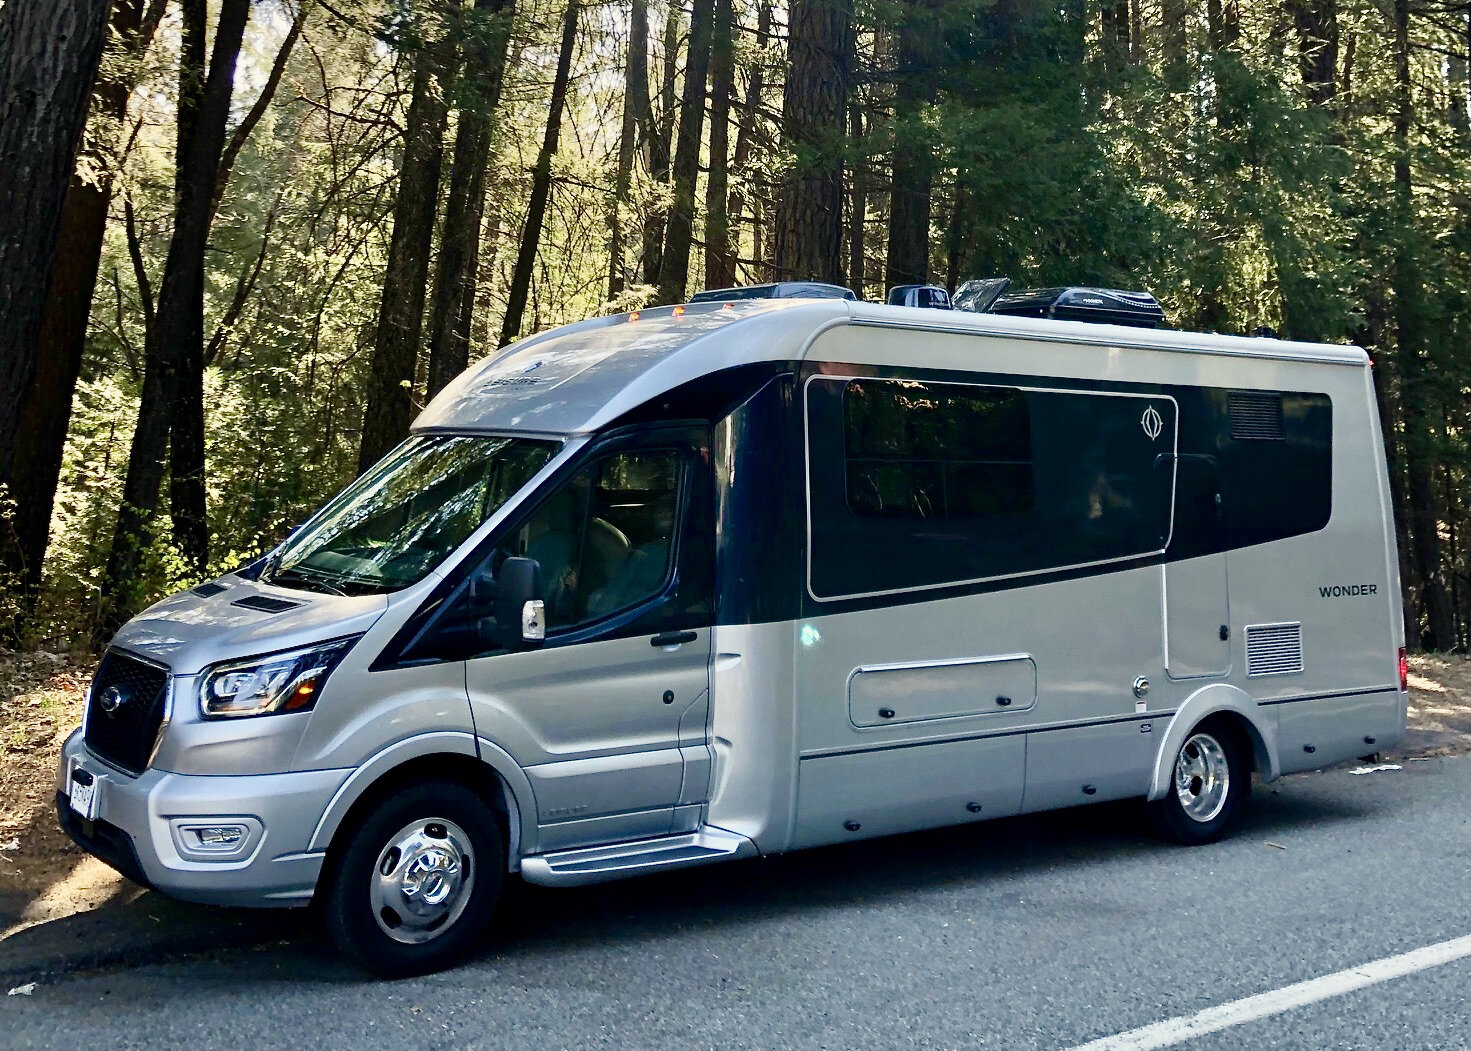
[[679, 311], [634, 315]]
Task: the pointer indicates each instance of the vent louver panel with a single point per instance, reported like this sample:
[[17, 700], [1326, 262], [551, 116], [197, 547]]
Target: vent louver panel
[[265, 603], [208, 590], [1273, 649], [1255, 415]]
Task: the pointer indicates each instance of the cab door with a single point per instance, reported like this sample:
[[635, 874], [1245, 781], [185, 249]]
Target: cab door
[[608, 714]]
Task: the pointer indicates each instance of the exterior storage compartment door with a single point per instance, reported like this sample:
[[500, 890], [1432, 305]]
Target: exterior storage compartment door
[[886, 694], [1196, 615]]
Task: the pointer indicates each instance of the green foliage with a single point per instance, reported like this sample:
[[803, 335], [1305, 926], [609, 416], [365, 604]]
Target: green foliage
[[1191, 166]]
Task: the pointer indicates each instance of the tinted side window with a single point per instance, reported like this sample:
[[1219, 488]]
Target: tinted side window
[[605, 539], [924, 450], [917, 484], [1283, 487]]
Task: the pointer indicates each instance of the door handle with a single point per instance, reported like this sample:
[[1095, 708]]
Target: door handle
[[674, 638]]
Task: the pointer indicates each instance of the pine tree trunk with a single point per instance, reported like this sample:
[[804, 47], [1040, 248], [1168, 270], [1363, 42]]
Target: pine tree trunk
[[1317, 48], [745, 130], [1115, 36], [857, 207], [401, 310], [173, 380], [181, 293], [451, 315], [49, 55], [955, 237], [660, 142], [46, 413], [1223, 23], [635, 125], [1415, 393], [541, 182], [1172, 32], [809, 206], [914, 156], [719, 258], [203, 110], [679, 225]]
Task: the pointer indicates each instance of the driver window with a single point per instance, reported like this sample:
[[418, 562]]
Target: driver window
[[605, 539]]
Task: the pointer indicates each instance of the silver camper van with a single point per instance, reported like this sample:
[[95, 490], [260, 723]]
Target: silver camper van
[[729, 579]]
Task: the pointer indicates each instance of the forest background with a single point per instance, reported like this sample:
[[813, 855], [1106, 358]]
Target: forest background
[[243, 241]]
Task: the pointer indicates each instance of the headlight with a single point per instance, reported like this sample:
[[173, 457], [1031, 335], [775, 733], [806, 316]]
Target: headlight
[[279, 682]]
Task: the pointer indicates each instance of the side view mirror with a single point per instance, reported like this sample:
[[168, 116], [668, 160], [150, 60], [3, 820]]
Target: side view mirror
[[520, 612]]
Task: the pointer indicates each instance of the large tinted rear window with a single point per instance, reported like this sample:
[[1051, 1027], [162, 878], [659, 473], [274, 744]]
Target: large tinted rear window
[[916, 484]]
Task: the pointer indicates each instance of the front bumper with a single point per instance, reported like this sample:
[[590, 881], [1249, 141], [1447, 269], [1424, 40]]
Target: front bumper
[[138, 821]]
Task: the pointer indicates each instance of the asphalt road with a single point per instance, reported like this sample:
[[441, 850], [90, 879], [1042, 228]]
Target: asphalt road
[[1041, 932]]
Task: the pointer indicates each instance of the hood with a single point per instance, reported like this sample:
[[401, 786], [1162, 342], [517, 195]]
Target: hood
[[233, 617]]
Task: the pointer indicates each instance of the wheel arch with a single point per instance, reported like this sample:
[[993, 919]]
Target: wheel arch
[[450, 754], [1216, 699]]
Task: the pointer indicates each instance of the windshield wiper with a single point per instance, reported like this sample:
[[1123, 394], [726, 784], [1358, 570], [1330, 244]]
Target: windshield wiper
[[314, 581]]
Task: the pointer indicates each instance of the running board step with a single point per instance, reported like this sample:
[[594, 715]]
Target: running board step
[[575, 868]]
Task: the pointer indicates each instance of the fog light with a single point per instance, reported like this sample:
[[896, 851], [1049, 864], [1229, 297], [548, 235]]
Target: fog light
[[218, 837], [228, 839]]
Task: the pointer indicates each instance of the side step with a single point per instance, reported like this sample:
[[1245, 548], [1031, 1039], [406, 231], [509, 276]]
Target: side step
[[576, 868]]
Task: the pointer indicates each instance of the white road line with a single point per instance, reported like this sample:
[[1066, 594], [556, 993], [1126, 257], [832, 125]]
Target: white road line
[[1213, 1019]]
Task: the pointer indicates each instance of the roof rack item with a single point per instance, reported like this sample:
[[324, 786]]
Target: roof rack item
[[1104, 306]]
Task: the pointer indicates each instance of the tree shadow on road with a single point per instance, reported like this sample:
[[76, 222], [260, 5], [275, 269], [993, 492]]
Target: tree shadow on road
[[993, 858]]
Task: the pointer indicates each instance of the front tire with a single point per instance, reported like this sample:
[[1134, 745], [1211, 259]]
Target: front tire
[[415, 883], [1209, 781]]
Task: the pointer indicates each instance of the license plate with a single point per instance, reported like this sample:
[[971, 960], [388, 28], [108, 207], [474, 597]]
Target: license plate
[[83, 793]]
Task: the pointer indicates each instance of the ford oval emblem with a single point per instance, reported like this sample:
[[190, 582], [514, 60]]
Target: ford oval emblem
[[112, 699]]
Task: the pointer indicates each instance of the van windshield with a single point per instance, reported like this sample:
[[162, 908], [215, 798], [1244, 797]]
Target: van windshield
[[397, 522]]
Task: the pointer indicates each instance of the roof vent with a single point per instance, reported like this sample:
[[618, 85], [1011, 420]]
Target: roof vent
[[779, 290]]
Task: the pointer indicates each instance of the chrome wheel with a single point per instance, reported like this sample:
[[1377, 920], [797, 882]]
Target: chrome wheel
[[422, 880], [1202, 777]]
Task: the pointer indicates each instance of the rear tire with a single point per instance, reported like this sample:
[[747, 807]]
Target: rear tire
[[412, 887], [1209, 780]]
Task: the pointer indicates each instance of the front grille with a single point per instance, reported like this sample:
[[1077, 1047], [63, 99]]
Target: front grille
[[136, 693]]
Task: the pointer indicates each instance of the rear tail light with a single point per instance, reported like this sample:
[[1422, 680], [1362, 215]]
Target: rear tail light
[[1404, 670]]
